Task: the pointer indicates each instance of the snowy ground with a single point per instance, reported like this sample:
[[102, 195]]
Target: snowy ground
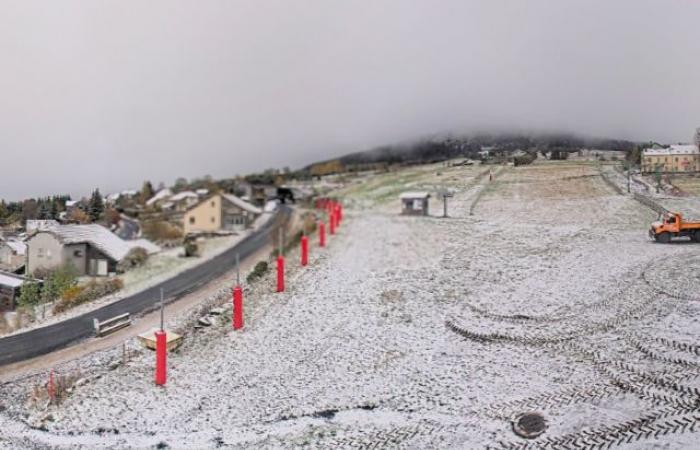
[[542, 292]]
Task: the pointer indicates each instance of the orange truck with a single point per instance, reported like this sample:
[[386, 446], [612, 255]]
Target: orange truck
[[670, 225]]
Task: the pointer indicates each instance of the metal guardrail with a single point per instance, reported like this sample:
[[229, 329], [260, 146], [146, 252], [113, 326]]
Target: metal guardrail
[[111, 325], [646, 201]]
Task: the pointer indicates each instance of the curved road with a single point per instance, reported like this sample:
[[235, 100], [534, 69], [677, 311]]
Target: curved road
[[46, 339]]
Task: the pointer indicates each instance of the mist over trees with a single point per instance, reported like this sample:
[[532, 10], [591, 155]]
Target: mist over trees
[[434, 150]]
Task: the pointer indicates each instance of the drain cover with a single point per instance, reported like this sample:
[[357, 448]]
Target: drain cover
[[529, 425]]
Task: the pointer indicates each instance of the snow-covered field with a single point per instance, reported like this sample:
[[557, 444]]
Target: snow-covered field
[[541, 292]]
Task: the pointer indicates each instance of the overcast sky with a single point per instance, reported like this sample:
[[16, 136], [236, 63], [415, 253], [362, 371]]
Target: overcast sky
[[109, 93]]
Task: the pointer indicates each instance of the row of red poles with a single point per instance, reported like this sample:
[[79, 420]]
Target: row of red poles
[[334, 211]]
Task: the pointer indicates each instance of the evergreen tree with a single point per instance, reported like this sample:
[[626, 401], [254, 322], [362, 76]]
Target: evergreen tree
[[44, 211], [96, 206], [146, 191]]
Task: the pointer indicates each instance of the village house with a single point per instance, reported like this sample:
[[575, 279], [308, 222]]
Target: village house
[[414, 203], [675, 159], [91, 249], [161, 196], [219, 212], [12, 255], [261, 193], [10, 290]]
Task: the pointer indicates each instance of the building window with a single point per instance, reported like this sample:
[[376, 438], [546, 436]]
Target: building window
[[192, 220], [78, 253], [213, 204], [213, 220]]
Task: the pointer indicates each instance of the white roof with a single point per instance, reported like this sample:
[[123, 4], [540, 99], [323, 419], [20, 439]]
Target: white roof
[[7, 280], [202, 191], [71, 202], [242, 204], [34, 225], [410, 195], [686, 149], [18, 247], [98, 236], [183, 195], [160, 195], [145, 244]]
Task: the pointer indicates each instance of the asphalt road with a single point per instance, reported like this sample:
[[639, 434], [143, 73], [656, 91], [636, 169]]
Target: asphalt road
[[41, 341]]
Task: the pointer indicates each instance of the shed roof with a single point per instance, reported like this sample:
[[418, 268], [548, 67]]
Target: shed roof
[[18, 247], [414, 195], [98, 236], [183, 195], [10, 281], [242, 203], [160, 195]]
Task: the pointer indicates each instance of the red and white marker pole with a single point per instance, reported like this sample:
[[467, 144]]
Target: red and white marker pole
[[51, 388], [280, 266], [321, 234], [304, 250], [161, 348], [238, 299]]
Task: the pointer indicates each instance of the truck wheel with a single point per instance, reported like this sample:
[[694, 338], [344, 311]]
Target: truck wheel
[[664, 238]]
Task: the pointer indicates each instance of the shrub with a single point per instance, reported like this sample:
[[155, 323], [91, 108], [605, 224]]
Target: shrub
[[258, 271], [191, 248], [136, 257], [30, 294], [160, 230], [57, 282], [82, 294]]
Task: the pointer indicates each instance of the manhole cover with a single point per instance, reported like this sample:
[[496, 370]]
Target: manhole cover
[[529, 425]]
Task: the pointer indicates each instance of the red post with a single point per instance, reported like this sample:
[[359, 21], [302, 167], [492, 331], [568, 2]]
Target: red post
[[337, 215], [280, 273], [321, 234], [237, 308], [331, 222], [304, 250], [51, 388], [161, 352]]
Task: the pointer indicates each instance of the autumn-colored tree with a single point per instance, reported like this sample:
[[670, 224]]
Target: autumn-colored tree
[[77, 215]]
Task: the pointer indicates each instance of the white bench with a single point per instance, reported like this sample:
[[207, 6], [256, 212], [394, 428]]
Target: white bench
[[110, 325]]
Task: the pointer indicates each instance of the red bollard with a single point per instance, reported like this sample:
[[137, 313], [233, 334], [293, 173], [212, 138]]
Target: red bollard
[[161, 351], [337, 215], [280, 273], [331, 223], [304, 250], [237, 308], [51, 388], [321, 234]]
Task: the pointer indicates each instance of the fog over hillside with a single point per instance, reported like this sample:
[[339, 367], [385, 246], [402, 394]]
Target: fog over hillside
[[108, 94]]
